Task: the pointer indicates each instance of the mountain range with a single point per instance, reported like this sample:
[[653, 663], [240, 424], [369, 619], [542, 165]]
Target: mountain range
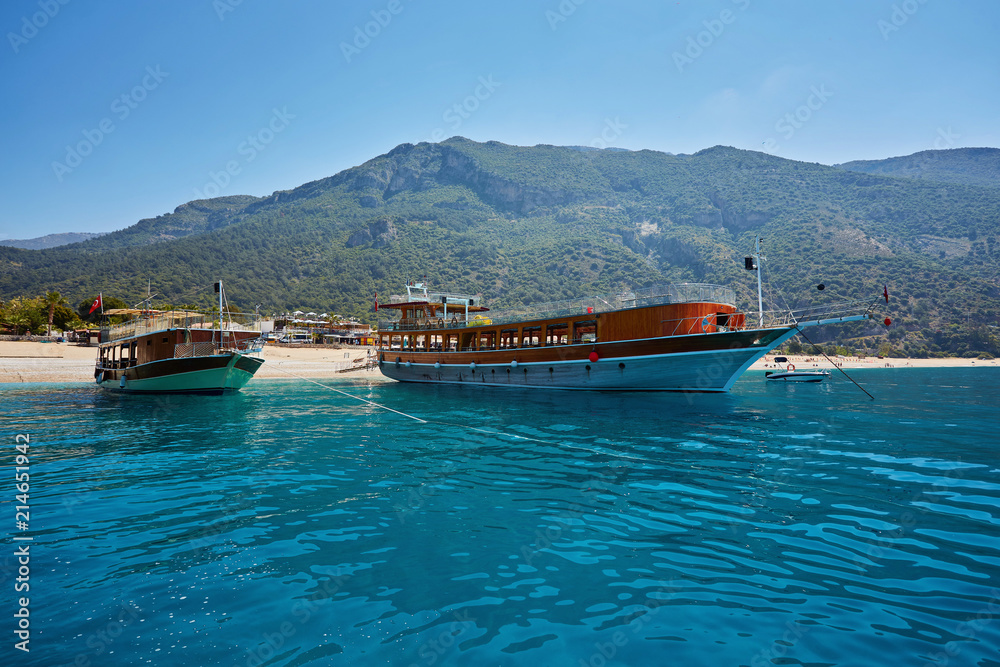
[[49, 240], [543, 223]]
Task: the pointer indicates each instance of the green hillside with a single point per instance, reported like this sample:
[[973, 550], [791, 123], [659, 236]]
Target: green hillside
[[522, 224], [196, 217], [967, 166]]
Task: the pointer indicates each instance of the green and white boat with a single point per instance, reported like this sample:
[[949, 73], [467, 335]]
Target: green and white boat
[[183, 352]]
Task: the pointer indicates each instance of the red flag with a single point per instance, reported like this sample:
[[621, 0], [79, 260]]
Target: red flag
[[96, 305], [885, 292], [376, 302]]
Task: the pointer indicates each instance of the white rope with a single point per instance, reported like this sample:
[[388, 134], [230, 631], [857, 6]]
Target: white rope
[[466, 426], [356, 398]]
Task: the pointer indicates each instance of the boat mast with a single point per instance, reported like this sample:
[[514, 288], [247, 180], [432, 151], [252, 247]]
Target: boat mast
[[218, 288], [760, 294]]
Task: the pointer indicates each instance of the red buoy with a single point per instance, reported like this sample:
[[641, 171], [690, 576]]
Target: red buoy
[[593, 357], [888, 321]]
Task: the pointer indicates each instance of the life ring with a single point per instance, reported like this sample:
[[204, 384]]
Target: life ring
[[790, 367]]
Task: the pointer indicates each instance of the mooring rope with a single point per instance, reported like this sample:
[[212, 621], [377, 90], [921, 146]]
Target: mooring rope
[[465, 426], [802, 333], [356, 398]]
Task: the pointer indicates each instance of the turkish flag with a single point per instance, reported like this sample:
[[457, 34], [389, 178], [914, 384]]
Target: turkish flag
[[97, 304], [885, 292]]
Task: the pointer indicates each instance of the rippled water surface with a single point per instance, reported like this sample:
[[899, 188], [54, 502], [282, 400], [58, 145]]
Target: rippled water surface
[[293, 525]]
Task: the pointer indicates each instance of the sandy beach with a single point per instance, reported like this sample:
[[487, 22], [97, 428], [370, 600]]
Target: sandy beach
[[24, 361], [810, 362]]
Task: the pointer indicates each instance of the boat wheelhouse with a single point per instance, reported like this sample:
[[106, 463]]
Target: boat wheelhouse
[[682, 337]]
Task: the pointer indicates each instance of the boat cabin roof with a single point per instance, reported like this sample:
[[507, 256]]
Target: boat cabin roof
[[435, 305], [419, 296]]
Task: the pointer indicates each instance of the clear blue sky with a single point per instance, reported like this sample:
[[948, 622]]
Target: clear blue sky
[[115, 111]]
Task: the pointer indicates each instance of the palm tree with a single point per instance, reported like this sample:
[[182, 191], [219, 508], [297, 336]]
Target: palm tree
[[20, 321], [53, 299]]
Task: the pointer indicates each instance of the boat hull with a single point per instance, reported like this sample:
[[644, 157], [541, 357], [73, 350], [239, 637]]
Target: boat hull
[[800, 376], [215, 374], [667, 338], [700, 363]]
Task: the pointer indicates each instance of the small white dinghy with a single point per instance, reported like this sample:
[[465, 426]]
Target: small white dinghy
[[792, 375]]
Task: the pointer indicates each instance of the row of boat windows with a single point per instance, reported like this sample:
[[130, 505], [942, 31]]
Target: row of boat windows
[[122, 356], [494, 339]]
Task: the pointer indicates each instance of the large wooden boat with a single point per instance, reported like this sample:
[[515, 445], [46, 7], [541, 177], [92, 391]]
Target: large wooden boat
[[686, 337], [177, 352]]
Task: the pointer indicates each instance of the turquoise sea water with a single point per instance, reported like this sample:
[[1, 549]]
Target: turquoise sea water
[[290, 525]]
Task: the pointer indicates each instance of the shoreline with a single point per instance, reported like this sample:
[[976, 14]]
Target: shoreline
[[813, 362], [29, 361]]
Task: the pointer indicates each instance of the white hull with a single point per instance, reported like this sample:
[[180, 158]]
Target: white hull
[[799, 376], [709, 371], [709, 358]]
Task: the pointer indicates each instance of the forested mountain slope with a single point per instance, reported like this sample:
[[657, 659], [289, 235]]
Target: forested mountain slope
[[522, 224]]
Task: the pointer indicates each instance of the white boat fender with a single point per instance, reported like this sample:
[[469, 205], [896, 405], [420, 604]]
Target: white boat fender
[[513, 364], [437, 364], [121, 383], [790, 367], [472, 365]]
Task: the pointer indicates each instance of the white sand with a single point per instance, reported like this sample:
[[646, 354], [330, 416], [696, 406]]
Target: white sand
[[22, 361], [809, 362]]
